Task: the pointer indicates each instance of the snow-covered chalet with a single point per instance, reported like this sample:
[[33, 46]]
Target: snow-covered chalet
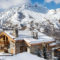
[[15, 41]]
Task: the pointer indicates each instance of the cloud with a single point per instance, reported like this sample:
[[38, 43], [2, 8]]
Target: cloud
[[48, 1], [56, 1], [5, 4]]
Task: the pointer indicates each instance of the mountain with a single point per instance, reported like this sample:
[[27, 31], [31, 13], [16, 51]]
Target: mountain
[[23, 15]]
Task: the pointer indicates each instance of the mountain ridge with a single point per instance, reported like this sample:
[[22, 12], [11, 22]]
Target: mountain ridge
[[27, 13]]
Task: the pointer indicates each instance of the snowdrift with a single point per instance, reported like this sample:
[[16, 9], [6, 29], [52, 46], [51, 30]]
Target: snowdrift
[[22, 56]]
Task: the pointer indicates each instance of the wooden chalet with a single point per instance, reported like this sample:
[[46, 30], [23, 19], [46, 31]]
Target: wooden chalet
[[23, 41]]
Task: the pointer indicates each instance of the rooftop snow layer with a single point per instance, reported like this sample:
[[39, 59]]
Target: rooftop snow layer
[[8, 33], [41, 38], [52, 44], [27, 36]]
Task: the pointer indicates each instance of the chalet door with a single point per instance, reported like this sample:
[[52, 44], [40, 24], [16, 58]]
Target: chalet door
[[57, 53], [23, 49]]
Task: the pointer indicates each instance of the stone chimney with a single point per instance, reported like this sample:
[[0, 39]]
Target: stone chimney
[[15, 32], [35, 34]]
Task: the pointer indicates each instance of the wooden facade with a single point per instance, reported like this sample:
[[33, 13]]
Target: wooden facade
[[5, 42]]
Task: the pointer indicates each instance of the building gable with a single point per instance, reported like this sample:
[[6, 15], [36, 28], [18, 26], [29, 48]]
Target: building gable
[[3, 34]]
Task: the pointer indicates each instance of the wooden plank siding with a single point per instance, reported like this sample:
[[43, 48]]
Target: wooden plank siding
[[5, 40], [9, 38]]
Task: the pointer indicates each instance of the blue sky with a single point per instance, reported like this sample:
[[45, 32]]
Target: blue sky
[[50, 4]]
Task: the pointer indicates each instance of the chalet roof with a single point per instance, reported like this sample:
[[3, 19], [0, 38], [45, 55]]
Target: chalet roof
[[26, 35], [42, 39], [52, 44], [9, 34]]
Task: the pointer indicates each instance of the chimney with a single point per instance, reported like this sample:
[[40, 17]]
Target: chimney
[[15, 32], [35, 34]]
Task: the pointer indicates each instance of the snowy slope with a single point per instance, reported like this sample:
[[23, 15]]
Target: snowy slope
[[13, 13], [27, 13], [22, 56]]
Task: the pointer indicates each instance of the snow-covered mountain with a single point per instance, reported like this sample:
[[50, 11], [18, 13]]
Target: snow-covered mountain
[[26, 13]]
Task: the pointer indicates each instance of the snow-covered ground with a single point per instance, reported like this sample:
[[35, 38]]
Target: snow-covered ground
[[2, 53], [21, 56]]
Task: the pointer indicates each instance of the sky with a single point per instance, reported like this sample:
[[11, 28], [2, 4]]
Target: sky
[[50, 4]]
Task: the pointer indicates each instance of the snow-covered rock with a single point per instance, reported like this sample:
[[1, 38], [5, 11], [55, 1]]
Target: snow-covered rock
[[51, 11]]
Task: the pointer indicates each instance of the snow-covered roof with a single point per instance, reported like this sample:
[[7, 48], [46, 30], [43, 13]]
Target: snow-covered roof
[[24, 34], [8, 33], [41, 38], [27, 36], [22, 56], [53, 44]]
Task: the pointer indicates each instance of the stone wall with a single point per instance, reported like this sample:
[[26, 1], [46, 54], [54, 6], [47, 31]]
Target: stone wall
[[33, 49], [18, 47], [11, 48]]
